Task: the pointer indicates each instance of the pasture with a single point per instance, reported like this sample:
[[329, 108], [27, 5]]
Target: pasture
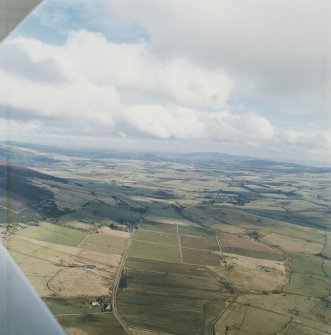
[[294, 244], [199, 242], [200, 257], [54, 234], [154, 251], [250, 274], [196, 231], [156, 237], [246, 320], [172, 298], [104, 243], [91, 324], [254, 253], [159, 227]]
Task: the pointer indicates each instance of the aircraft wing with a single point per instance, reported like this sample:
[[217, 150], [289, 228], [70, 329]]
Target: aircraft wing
[[12, 12], [22, 311]]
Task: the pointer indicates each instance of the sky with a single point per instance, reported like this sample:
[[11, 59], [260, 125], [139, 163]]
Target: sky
[[247, 77]]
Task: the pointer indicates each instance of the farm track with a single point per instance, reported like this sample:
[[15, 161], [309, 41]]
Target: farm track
[[116, 283], [179, 245]]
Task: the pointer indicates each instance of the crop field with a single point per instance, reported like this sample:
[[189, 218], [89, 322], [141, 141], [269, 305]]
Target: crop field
[[163, 297], [308, 285], [246, 320], [308, 310], [254, 253], [211, 216], [310, 276], [327, 267], [55, 269], [196, 231], [211, 235], [291, 230], [91, 324], [72, 274], [307, 264], [156, 237], [159, 227], [154, 251], [76, 305], [79, 282], [327, 249], [104, 243], [54, 234], [201, 257], [248, 273], [304, 312], [243, 242], [165, 212], [169, 220], [166, 267], [289, 243], [199, 242]]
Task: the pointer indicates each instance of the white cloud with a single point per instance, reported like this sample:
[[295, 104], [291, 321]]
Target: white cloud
[[184, 123], [175, 88], [166, 122], [277, 49], [96, 74], [309, 140]]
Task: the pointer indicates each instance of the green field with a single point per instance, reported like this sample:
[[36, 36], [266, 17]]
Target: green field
[[245, 320], [201, 257], [309, 285], [199, 242], [309, 276], [307, 264], [160, 227], [104, 243], [172, 298], [327, 249], [69, 306], [165, 212], [154, 251], [166, 267], [254, 253], [92, 324], [156, 237], [54, 234], [196, 231]]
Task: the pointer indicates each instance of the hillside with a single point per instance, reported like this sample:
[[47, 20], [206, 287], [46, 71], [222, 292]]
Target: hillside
[[27, 194]]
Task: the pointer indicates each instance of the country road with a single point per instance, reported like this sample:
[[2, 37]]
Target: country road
[[116, 283]]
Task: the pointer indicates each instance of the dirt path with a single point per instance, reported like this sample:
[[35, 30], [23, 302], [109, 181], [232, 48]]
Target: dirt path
[[179, 245], [116, 283]]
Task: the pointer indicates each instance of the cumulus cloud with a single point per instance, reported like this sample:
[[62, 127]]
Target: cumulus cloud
[[311, 139], [278, 48], [182, 83], [183, 123], [92, 79]]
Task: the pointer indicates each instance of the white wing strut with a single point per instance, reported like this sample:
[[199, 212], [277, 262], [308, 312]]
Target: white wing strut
[[12, 12]]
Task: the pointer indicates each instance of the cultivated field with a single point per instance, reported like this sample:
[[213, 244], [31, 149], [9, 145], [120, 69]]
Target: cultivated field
[[221, 244], [163, 297]]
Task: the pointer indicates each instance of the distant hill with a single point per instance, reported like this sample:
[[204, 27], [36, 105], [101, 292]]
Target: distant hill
[[22, 188], [38, 155]]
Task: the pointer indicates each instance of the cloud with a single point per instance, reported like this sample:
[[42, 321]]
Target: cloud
[[182, 123], [311, 139], [91, 78], [176, 88], [278, 49]]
